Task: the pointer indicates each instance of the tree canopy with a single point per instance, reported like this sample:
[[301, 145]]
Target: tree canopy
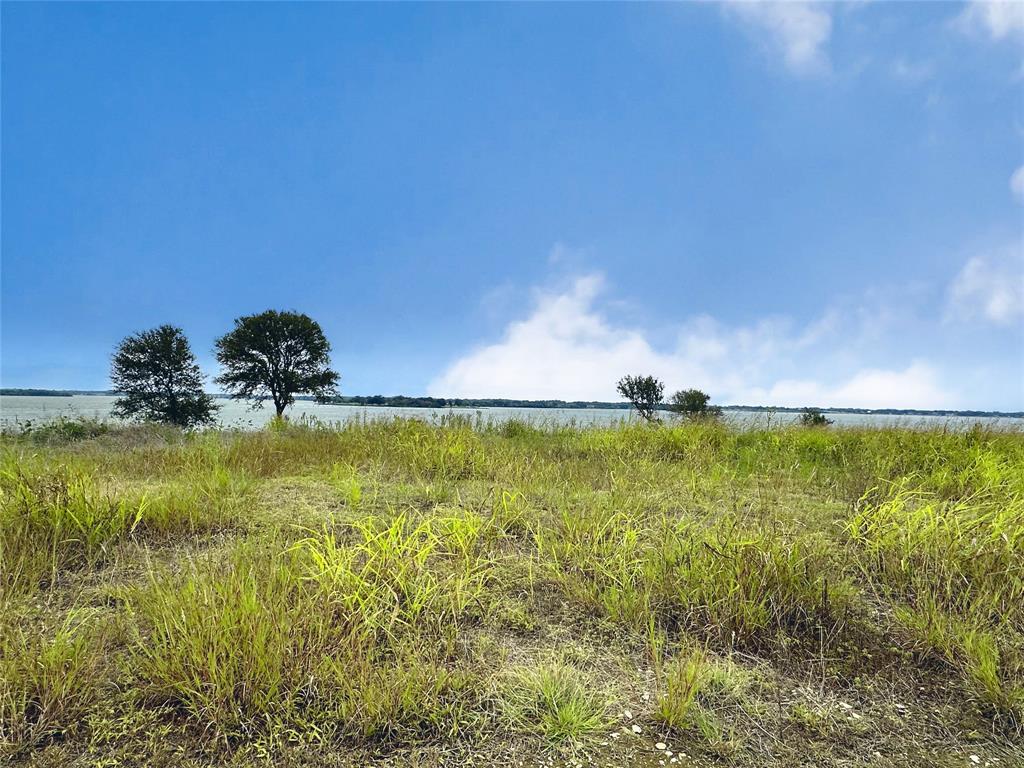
[[159, 379], [694, 404], [813, 417], [276, 355], [644, 392]]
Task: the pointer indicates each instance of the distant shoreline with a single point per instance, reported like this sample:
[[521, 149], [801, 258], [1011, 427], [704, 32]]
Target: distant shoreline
[[402, 401]]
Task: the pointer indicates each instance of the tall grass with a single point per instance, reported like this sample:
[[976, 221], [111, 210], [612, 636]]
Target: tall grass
[[374, 624], [955, 569], [47, 684], [50, 521], [57, 518], [713, 577], [351, 632]]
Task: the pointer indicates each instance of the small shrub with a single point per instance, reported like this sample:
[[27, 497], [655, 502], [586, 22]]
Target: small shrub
[[517, 429], [813, 417], [643, 392], [62, 430]]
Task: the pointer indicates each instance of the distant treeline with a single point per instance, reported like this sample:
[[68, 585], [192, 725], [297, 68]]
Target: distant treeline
[[48, 392], [403, 401]]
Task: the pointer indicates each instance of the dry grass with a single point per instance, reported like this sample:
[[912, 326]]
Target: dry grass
[[393, 592]]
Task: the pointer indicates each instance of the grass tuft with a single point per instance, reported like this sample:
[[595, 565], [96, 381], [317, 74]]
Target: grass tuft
[[556, 701]]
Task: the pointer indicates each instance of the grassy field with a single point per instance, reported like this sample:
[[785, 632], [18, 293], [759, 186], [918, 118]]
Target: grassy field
[[398, 593]]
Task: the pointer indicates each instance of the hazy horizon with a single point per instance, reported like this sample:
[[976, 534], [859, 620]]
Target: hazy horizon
[[617, 404]]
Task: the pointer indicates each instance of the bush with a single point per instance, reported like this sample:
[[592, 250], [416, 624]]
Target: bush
[[643, 392], [813, 417], [62, 430], [693, 404]]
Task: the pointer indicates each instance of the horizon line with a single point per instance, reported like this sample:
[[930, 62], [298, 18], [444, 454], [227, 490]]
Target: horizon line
[[580, 404]]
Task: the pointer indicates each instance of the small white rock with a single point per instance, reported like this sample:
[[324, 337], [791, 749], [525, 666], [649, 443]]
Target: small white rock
[[660, 745], [636, 729], [975, 759]]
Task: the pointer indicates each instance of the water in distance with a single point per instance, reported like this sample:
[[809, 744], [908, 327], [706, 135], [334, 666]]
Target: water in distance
[[16, 410]]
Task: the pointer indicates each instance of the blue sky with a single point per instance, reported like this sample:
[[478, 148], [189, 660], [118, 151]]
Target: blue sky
[[780, 204]]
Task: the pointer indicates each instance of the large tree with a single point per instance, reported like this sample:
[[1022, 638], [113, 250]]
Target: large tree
[[276, 355], [159, 379], [644, 392]]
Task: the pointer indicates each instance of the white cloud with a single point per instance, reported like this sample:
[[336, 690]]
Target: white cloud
[[564, 349], [799, 31], [990, 287], [1017, 183], [917, 386], [568, 348], [999, 19]]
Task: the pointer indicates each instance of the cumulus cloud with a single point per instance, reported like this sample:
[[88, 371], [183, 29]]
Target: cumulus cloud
[[916, 386], [564, 349], [798, 31], [568, 348], [1017, 183], [998, 19]]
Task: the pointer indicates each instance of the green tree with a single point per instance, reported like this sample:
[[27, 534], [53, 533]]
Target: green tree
[[693, 404], [813, 417], [276, 355], [644, 392], [159, 379]]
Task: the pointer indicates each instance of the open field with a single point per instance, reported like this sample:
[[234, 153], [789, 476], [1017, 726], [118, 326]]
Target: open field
[[399, 593]]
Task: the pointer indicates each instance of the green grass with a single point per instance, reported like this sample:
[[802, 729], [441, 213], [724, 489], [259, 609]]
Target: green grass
[[47, 683], [555, 701], [397, 590]]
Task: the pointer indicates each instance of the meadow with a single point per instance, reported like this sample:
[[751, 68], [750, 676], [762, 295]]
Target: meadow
[[457, 593]]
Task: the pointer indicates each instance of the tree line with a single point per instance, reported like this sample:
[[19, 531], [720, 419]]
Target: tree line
[[405, 401], [269, 356]]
